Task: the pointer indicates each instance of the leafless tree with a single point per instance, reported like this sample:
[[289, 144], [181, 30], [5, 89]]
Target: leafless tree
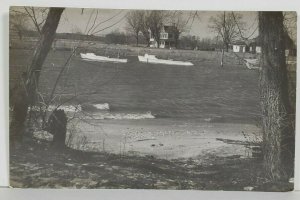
[[181, 20], [29, 18], [134, 23], [144, 25], [37, 16], [227, 25], [26, 91], [18, 22], [148, 21]]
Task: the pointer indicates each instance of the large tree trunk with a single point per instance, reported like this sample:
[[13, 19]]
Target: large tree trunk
[[41, 52], [278, 138], [25, 93]]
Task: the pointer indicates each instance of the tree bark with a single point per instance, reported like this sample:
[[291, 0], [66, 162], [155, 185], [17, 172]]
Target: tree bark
[[278, 133], [25, 93]]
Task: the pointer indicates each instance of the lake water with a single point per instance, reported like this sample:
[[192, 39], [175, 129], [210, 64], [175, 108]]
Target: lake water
[[204, 91], [156, 109]]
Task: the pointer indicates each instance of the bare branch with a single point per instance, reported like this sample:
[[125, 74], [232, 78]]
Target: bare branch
[[98, 24], [98, 31]]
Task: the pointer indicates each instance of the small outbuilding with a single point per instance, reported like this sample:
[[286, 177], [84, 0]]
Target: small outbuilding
[[239, 46], [254, 45], [290, 46]]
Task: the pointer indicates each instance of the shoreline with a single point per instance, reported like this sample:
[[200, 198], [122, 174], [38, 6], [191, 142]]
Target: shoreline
[[167, 139]]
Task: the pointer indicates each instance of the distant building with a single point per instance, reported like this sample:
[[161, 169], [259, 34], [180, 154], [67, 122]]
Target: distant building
[[167, 37], [239, 46], [254, 45], [290, 46]]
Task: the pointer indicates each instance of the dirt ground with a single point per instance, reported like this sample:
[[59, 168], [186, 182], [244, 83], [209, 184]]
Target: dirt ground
[[37, 164]]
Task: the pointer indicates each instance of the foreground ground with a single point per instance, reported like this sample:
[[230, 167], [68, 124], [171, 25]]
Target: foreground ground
[[39, 165]]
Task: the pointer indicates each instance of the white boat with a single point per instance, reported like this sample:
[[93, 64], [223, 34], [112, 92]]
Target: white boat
[[252, 63], [152, 59], [93, 57]]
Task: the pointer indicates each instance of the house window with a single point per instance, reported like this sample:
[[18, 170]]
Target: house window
[[164, 35]]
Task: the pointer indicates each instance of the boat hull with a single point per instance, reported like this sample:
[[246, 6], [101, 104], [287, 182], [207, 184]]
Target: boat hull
[[93, 57], [152, 59]]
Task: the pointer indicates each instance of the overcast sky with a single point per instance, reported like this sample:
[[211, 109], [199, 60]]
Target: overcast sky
[[74, 20]]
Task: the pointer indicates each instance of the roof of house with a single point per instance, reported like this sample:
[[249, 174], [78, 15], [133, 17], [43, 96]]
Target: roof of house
[[170, 29], [238, 42]]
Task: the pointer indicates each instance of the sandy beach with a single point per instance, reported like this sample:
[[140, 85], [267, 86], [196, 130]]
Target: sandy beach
[[165, 138]]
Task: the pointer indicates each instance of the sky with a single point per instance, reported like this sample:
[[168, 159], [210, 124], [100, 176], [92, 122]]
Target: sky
[[76, 20]]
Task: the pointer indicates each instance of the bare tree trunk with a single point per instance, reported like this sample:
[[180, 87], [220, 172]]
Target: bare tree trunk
[[137, 39], [226, 46], [225, 36], [57, 126], [278, 138], [222, 58], [25, 94], [157, 41]]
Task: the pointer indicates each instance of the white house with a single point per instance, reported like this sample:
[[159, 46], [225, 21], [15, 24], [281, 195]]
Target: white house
[[255, 49], [167, 37], [258, 49], [239, 46], [250, 46]]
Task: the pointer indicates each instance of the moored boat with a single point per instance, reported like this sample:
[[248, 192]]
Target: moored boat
[[152, 59], [93, 57]]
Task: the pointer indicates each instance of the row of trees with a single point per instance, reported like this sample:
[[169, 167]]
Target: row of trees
[[228, 26], [187, 42], [144, 21], [204, 44]]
